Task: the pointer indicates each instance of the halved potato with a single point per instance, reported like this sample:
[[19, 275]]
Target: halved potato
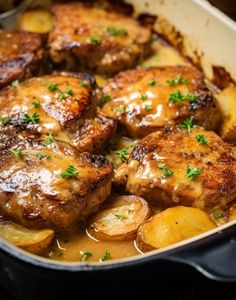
[[121, 220], [38, 21], [171, 226], [227, 101], [232, 213], [34, 241]]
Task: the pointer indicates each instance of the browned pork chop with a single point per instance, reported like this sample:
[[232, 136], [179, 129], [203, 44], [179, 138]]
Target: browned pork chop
[[182, 168], [51, 186], [91, 38], [21, 56], [59, 104], [147, 99]]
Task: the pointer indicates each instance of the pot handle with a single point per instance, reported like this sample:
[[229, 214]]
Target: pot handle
[[214, 256]]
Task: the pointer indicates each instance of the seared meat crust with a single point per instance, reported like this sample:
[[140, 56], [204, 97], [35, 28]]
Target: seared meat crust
[[175, 150], [91, 38], [140, 99], [33, 192], [65, 106], [21, 56]]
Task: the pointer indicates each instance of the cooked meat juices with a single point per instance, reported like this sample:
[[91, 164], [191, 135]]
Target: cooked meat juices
[[21, 56], [178, 167], [51, 186], [147, 99], [96, 40], [60, 104]]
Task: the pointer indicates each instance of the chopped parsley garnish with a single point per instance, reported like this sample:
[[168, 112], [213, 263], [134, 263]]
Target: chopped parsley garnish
[[84, 84], [120, 109], [106, 98], [106, 256], [36, 104], [166, 172], [5, 120], [177, 97], [85, 255], [15, 83], [17, 153], [95, 40], [116, 31], [69, 92], [192, 173], [31, 119], [70, 172], [61, 96], [152, 82], [147, 107], [119, 217], [218, 214], [49, 140], [201, 139], [178, 80], [43, 155], [187, 124], [52, 86], [122, 153], [143, 97]]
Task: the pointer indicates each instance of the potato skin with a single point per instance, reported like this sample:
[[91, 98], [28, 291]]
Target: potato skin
[[171, 226], [227, 102], [131, 211]]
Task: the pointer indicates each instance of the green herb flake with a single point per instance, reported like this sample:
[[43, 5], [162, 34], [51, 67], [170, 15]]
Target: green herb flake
[[106, 98], [70, 172], [85, 255], [36, 104], [95, 40], [122, 153], [201, 139], [5, 120], [166, 172], [43, 155], [218, 214], [49, 140], [178, 80], [143, 97], [152, 82], [60, 96], [17, 153], [31, 119], [147, 107], [84, 84], [120, 108], [116, 31], [178, 97], [192, 173], [52, 86], [187, 124], [69, 92], [119, 217], [15, 83], [106, 256]]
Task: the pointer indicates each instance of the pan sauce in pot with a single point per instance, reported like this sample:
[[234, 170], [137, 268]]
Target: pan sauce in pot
[[79, 244]]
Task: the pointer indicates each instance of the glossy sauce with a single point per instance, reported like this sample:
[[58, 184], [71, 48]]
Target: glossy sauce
[[70, 247]]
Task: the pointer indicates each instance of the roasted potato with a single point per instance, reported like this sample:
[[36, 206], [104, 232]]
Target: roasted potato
[[120, 220], [38, 21], [171, 226], [227, 101], [232, 213], [34, 241]]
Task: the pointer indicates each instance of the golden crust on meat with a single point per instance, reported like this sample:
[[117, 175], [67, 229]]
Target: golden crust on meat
[[21, 56], [157, 169], [90, 38], [65, 107], [35, 193], [140, 99]]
